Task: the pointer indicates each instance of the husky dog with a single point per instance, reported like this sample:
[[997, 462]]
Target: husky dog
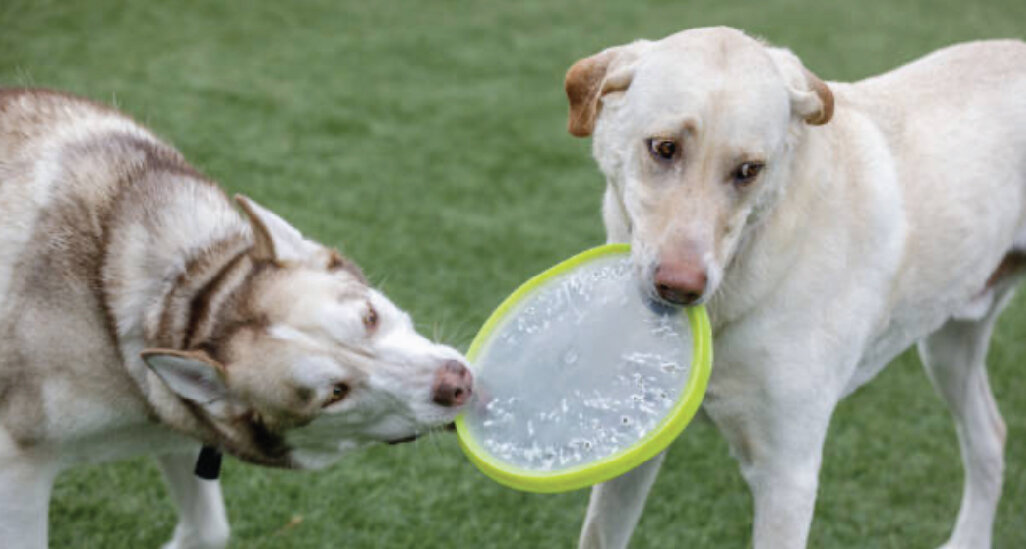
[[828, 226], [140, 313]]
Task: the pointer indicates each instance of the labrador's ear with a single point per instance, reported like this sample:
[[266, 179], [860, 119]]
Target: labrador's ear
[[811, 98], [608, 71], [191, 375]]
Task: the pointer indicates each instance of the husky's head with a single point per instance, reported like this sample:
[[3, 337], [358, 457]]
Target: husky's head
[[304, 361], [695, 134]]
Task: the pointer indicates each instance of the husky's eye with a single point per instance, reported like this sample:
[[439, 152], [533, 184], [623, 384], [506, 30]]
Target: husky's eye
[[662, 149], [746, 172], [370, 319], [338, 392]]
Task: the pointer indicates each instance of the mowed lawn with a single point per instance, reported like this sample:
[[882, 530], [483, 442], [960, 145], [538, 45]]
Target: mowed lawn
[[427, 140]]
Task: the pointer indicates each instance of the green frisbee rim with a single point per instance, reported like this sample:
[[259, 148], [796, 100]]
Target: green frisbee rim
[[620, 462]]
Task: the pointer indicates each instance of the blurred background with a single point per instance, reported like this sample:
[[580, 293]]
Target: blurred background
[[427, 141]]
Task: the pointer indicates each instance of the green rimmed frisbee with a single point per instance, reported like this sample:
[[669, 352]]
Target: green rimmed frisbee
[[579, 378]]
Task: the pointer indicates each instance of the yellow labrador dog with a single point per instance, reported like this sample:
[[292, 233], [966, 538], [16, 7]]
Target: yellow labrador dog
[[140, 313], [827, 226]]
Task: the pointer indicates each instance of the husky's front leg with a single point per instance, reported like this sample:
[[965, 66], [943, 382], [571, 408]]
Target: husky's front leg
[[25, 486], [202, 523]]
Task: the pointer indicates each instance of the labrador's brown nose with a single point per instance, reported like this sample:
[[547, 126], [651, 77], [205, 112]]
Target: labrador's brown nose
[[453, 384], [680, 283]]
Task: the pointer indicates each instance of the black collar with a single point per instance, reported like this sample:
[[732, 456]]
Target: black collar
[[208, 464]]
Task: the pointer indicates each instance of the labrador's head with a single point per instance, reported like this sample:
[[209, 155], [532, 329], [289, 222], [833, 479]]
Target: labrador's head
[[694, 133]]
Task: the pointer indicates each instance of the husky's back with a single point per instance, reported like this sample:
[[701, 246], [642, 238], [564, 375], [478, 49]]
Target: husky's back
[[81, 187]]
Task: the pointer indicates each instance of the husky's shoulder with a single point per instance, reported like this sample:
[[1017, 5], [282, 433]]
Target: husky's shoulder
[[31, 119], [102, 225]]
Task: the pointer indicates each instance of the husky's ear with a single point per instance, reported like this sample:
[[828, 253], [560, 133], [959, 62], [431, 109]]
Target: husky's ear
[[811, 98], [189, 374], [274, 239], [610, 70]]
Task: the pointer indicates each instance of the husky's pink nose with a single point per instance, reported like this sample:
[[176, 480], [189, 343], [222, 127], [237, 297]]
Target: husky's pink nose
[[680, 283], [453, 384]]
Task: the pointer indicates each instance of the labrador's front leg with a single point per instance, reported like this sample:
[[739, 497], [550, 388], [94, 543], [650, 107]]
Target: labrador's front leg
[[777, 433], [615, 507]]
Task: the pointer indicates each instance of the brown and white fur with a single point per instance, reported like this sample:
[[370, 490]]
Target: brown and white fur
[[827, 226], [140, 313]]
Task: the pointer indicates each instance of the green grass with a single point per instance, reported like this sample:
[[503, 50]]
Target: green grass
[[427, 140]]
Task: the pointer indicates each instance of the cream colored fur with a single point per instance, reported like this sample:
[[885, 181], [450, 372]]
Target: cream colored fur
[[899, 219]]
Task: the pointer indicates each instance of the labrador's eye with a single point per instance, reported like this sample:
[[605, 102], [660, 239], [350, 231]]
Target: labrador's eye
[[662, 149], [370, 319], [747, 172], [338, 392]]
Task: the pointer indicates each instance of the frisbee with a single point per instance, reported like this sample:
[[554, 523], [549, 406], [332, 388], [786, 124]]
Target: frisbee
[[579, 378]]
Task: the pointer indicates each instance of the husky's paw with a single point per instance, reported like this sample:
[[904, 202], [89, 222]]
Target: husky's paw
[[951, 545], [210, 537]]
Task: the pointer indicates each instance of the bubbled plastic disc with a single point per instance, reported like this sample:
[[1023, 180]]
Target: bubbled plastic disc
[[579, 379]]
